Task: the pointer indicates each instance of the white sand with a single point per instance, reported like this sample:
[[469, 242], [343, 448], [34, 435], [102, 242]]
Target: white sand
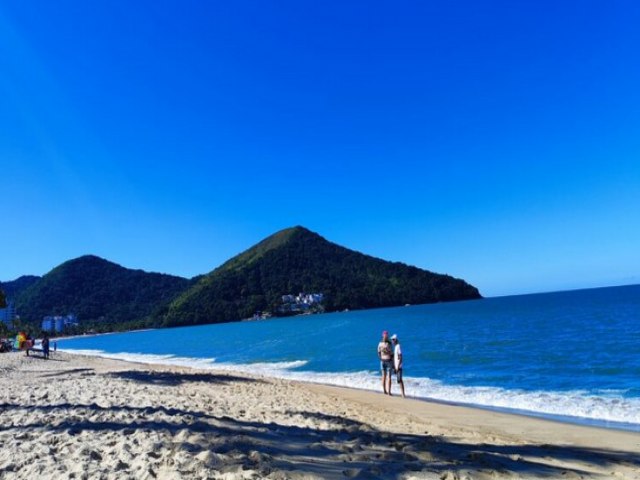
[[85, 418]]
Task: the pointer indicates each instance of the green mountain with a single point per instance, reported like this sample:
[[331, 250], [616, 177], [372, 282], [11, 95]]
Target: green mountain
[[297, 260], [104, 295], [15, 287]]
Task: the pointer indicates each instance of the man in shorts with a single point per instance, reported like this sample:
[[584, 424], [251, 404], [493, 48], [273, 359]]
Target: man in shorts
[[397, 361], [385, 354]]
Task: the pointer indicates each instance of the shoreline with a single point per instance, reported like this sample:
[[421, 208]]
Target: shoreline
[[80, 416], [89, 335], [558, 418]]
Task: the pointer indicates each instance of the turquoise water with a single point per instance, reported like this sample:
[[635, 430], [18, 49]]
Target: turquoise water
[[573, 356]]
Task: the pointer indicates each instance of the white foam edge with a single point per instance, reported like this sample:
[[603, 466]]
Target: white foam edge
[[577, 405]]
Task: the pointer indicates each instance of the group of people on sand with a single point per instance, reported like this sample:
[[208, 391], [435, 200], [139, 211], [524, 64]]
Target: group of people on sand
[[390, 355], [26, 343]]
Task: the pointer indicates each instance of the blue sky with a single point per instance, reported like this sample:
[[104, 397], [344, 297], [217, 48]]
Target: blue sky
[[494, 141]]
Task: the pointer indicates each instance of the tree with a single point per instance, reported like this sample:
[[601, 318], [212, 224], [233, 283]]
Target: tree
[[3, 299]]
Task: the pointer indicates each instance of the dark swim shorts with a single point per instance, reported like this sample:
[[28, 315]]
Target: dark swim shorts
[[386, 366]]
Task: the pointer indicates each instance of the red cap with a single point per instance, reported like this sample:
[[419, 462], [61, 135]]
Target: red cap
[[384, 332]]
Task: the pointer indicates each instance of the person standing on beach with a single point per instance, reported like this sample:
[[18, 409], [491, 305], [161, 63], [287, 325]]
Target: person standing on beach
[[385, 355], [397, 361], [45, 346]]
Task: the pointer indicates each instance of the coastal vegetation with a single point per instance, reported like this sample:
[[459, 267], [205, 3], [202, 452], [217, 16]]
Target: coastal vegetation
[[107, 297]]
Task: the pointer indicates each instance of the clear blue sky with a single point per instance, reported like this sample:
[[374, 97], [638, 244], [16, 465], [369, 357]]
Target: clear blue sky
[[494, 141]]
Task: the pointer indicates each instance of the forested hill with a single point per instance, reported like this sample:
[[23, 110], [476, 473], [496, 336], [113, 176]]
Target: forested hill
[[106, 296], [103, 295], [298, 260], [15, 287]]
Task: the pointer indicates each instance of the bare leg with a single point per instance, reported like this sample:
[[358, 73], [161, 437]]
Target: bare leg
[[402, 388], [389, 383], [384, 382]]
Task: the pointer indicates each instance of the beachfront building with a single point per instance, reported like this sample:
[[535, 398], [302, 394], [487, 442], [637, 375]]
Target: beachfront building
[[59, 323], [8, 314], [303, 302]]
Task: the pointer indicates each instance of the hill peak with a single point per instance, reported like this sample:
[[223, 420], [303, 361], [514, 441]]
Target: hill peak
[[89, 258], [92, 262], [272, 242], [290, 232]]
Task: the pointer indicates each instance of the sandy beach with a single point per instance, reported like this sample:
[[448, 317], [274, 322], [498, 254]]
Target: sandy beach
[[83, 417]]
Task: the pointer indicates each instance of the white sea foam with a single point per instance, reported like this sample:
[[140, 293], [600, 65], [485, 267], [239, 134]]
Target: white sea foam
[[578, 405], [271, 369], [148, 358]]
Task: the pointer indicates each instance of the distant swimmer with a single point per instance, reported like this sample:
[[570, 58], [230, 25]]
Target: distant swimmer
[[385, 355], [397, 361]]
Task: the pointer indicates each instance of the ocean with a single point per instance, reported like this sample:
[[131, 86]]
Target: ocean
[[571, 356]]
